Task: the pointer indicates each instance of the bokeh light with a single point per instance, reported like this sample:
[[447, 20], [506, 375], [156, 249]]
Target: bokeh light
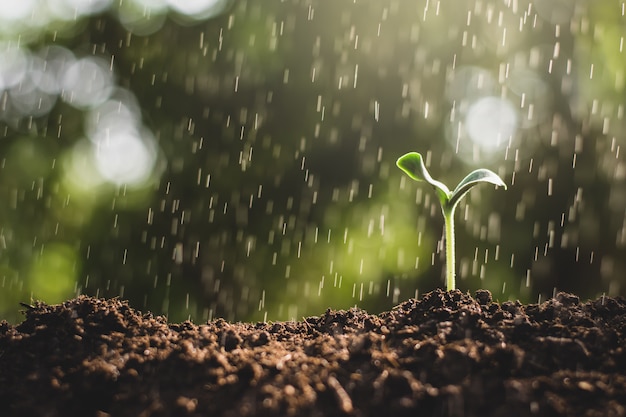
[[198, 10], [31, 82], [125, 157], [13, 65], [17, 10], [491, 122], [87, 82]]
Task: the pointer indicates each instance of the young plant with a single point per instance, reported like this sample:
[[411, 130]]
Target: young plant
[[412, 164]]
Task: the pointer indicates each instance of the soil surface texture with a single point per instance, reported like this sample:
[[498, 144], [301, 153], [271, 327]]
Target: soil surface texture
[[447, 354]]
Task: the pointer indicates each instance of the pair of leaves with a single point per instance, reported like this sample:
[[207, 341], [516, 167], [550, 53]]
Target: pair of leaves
[[413, 165]]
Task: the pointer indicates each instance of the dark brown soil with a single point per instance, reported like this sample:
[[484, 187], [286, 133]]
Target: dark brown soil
[[447, 354]]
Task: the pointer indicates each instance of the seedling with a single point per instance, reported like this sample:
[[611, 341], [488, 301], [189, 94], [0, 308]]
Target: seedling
[[413, 165]]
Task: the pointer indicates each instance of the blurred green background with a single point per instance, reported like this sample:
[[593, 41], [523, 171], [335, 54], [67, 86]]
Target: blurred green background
[[236, 159]]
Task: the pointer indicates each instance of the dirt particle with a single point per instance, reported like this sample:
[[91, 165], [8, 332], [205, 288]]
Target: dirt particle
[[585, 386], [189, 405], [483, 297]]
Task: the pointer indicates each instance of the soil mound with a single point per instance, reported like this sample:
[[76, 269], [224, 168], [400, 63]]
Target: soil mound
[[447, 354]]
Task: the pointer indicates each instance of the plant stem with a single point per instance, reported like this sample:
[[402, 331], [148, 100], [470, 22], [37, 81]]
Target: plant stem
[[448, 215]]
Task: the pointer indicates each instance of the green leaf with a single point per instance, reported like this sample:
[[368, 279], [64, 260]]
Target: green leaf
[[413, 165], [473, 178]]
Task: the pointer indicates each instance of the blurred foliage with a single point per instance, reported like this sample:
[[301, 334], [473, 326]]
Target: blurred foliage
[[272, 191]]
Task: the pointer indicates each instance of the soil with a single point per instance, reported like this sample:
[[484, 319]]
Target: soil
[[447, 354]]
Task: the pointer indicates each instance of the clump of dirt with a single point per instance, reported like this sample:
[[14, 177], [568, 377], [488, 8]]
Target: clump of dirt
[[447, 354]]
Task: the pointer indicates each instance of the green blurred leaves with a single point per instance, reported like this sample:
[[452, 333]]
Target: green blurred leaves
[[53, 275]]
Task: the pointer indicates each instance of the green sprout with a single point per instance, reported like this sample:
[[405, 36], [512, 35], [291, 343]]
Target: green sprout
[[413, 165]]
